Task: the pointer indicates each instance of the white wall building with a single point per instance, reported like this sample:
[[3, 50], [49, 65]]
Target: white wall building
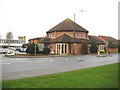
[[13, 43]]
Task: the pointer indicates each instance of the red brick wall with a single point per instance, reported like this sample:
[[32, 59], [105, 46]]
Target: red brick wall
[[68, 33], [77, 34], [52, 47], [76, 48]]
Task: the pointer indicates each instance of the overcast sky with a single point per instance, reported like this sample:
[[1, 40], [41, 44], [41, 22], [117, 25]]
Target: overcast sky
[[32, 18]]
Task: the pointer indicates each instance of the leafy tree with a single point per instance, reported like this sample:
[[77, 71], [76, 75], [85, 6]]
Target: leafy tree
[[93, 47], [84, 49], [31, 49]]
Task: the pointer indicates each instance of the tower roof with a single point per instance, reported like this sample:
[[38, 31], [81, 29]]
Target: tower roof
[[67, 25]]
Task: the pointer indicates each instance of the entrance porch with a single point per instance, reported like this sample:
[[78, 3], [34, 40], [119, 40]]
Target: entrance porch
[[61, 48]]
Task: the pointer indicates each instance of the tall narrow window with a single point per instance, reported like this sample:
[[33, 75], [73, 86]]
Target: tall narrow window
[[57, 48], [65, 48], [62, 48]]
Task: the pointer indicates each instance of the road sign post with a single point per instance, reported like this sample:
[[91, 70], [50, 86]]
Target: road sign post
[[35, 42], [106, 48], [35, 49]]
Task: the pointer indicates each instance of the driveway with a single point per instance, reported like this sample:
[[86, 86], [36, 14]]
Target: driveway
[[14, 68]]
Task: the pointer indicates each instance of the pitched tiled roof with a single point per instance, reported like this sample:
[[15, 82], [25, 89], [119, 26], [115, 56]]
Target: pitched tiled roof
[[64, 38], [108, 38], [95, 39], [38, 38], [67, 25], [44, 40]]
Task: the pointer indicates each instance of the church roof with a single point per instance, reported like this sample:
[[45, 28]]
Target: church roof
[[67, 25]]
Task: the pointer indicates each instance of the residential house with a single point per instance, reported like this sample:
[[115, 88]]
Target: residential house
[[100, 43], [111, 43], [32, 41]]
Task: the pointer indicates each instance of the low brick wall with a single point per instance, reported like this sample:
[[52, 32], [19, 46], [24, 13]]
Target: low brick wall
[[113, 50]]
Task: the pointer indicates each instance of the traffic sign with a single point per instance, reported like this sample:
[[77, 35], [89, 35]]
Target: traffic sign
[[106, 44], [35, 41]]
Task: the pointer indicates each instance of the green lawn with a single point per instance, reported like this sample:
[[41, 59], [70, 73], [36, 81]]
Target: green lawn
[[98, 77]]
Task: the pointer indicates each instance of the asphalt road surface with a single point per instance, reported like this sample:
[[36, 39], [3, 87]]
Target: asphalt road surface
[[14, 68]]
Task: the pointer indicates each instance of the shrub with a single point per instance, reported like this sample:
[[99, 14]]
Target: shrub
[[46, 51], [84, 49], [24, 45], [31, 49], [93, 47], [112, 45]]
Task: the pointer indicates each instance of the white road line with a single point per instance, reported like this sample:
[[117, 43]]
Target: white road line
[[4, 63], [51, 60], [66, 59]]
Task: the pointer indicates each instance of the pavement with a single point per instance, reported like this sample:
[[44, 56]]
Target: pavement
[[15, 68]]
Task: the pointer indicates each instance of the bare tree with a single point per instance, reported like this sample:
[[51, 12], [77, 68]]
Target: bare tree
[[9, 37]]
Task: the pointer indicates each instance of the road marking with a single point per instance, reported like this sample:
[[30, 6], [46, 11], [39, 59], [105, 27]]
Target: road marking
[[4, 63], [51, 60], [66, 59]]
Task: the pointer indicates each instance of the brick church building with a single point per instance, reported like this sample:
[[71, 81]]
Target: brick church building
[[65, 38]]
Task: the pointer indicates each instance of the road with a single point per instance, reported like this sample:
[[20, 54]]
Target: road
[[14, 68]]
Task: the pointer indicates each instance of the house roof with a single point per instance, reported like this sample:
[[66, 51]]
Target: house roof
[[108, 38], [61, 39], [44, 40], [67, 25], [38, 38], [95, 39]]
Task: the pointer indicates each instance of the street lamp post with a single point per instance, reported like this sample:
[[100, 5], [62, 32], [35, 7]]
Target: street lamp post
[[77, 13], [74, 31]]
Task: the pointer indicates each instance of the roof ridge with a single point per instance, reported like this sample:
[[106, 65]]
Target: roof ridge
[[67, 24]]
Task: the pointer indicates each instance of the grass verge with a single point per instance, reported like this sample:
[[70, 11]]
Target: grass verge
[[98, 77]]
